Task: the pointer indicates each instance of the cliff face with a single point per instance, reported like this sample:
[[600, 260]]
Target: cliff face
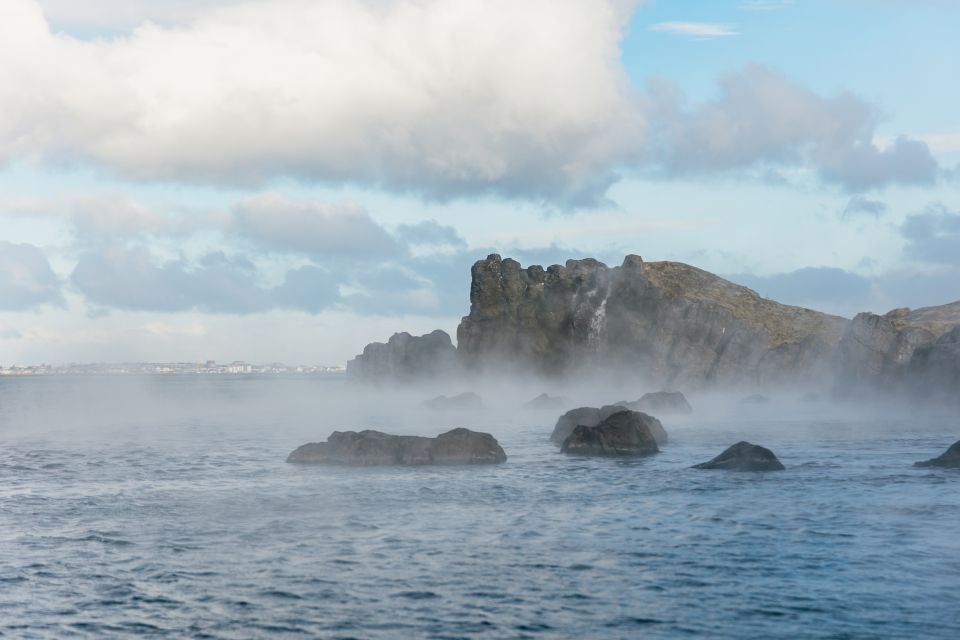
[[666, 321], [915, 348], [405, 357]]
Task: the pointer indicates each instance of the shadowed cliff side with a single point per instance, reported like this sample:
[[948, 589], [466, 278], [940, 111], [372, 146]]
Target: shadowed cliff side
[[919, 349], [668, 322]]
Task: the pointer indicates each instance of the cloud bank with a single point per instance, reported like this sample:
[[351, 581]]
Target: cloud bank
[[441, 98]]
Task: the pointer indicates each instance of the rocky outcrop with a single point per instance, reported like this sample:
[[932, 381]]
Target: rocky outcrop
[[591, 416], [744, 456], [877, 352], [935, 368], [669, 322], [545, 402], [374, 448], [625, 433], [949, 459], [662, 403], [466, 401], [405, 358]]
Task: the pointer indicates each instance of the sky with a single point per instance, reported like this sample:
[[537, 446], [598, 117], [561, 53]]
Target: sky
[[288, 180]]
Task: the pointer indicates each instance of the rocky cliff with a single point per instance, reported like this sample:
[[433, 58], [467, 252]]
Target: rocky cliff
[[668, 322], [917, 348], [405, 357], [673, 325]]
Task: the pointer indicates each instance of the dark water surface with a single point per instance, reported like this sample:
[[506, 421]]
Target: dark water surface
[[164, 507]]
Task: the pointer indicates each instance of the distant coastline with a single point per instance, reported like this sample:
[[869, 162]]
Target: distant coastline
[[209, 367]]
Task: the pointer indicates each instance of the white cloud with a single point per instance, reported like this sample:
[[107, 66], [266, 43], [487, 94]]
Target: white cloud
[[279, 223], [695, 29], [26, 279], [762, 119], [438, 97]]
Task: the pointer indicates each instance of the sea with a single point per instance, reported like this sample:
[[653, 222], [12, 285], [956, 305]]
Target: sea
[[162, 506]]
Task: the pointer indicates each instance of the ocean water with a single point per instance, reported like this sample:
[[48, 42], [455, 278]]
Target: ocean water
[[163, 507]]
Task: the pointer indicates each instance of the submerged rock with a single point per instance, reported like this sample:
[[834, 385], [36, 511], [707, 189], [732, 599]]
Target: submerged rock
[[744, 456], [949, 459], [662, 402], [755, 399], [625, 433], [544, 401], [591, 417], [461, 402], [375, 448]]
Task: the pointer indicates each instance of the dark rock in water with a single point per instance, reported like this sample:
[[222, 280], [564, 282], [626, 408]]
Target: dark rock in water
[[406, 358], [466, 401], [669, 321], [625, 433], [755, 399], [662, 403], [567, 422], [810, 396], [744, 456], [374, 448], [590, 417], [544, 402], [950, 459]]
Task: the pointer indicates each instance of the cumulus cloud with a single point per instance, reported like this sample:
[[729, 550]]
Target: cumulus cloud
[[279, 223], [859, 206], [133, 279], [438, 97], [827, 287], [430, 233], [763, 119], [933, 235], [26, 279]]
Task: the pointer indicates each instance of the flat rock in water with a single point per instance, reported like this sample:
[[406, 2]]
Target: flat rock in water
[[375, 448], [755, 399], [625, 433], [744, 456], [461, 402], [950, 459]]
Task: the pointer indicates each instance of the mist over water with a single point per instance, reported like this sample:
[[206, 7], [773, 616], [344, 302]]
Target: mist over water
[[163, 506]]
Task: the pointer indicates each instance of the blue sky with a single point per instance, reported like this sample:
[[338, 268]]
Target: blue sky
[[290, 180]]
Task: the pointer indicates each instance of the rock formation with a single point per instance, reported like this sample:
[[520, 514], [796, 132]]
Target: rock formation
[[591, 417], [405, 358], [949, 459], [466, 401], [374, 448], [625, 433], [668, 321], [744, 456], [662, 403], [877, 352], [544, 402]]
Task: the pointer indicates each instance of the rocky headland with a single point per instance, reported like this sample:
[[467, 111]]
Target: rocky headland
[[668, 324]]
